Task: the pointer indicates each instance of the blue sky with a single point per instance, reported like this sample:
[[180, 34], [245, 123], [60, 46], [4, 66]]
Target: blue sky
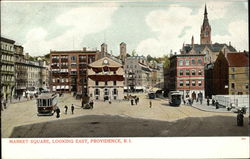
[[149, 27]]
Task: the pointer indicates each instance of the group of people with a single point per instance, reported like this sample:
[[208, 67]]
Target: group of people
[[136, 100], [58, 111]]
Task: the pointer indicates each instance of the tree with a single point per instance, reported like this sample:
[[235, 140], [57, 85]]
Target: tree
[[134, 53], [166, 61], [149, 58]]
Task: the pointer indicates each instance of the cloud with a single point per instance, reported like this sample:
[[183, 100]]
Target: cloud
[[177, 24], [168, 25], [238, 37], [80, 22]]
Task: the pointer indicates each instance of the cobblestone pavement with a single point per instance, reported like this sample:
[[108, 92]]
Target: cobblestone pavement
[[24, 113]]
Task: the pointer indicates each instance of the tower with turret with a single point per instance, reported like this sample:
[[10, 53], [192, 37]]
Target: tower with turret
[[205, 36], [123, 51]]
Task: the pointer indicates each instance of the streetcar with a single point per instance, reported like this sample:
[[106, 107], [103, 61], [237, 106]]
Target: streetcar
[[174, 98], [46, 104]]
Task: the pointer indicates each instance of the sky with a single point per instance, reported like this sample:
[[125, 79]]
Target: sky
[[152, 27]]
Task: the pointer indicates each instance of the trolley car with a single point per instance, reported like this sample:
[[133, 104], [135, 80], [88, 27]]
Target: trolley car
[[46, 104], [174, 98]]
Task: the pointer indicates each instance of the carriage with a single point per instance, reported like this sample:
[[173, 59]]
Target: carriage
[[46, 104], [174, 98]]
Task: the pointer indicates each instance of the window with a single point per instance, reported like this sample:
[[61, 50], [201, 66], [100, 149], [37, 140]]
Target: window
[[106, 92], [199, 61], [181, 72], [233, 85], [96, 83], [247, 86], [187, 83], [181, 83], [233, 76], [187, 62], [97, 92], [193, 62], [193, 72], [200, 72], [114, 83], [193, 83], [199, 83], [106, 83], [115, 72], [115, 91], [181, 62], [187, 72], [233, 69], [73, 58]]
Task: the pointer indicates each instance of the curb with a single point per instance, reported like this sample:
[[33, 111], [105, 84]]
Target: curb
[[210, 110]]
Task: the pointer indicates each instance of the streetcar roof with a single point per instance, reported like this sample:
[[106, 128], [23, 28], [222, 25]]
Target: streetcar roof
[[46, 96]]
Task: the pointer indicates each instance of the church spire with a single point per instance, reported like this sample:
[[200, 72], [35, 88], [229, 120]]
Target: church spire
[[205, 36], [205, 13]]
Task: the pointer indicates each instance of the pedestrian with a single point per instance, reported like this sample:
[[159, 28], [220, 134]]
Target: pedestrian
[[217, 104], [1, 104], [201, 100], [57, 112], [19, 97], [213, 102], [66, 109], [5, 104], [91, 103], [190, 101], [208, 101], [72, 109], [150, 104], [132, 102], [184, 101], [136, 101], [240, 118]]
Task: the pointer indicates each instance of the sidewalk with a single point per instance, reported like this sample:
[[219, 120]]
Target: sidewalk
[[210, 108]]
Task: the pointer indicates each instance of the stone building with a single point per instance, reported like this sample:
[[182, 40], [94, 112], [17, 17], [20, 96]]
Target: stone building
[[7, 69], [137, 74], [106, 79]]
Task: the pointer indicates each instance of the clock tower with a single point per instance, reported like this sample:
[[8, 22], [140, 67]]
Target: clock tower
[[205, 36]]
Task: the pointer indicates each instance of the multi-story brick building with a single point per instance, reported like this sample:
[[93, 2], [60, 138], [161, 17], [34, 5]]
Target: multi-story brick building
[[186, 74], [69, 70], [106, 79], [7, 69], [231, 74]]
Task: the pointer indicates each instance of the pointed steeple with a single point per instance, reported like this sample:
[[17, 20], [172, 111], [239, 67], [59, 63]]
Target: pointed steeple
[[205, 36], [205, 13]]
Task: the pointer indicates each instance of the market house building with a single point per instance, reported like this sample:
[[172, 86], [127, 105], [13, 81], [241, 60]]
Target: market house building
[[106, 79]]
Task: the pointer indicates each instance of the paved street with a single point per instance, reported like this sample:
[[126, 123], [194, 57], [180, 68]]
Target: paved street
[[118, 116]]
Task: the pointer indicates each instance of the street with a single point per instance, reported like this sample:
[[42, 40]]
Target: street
[[119, 119]]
